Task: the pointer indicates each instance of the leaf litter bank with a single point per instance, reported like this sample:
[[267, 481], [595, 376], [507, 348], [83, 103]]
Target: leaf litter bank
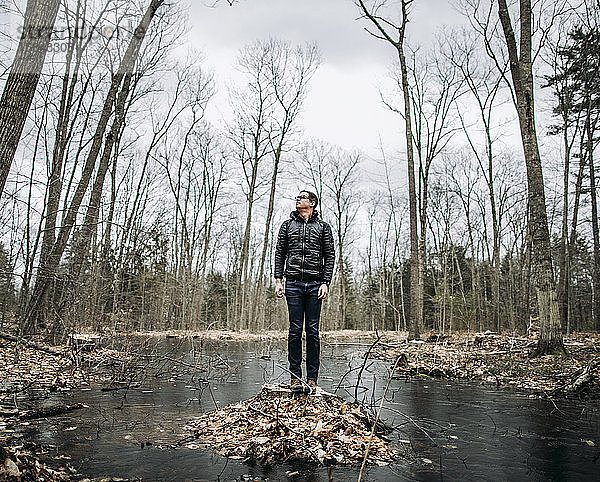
[[500, 360], [278, 426]]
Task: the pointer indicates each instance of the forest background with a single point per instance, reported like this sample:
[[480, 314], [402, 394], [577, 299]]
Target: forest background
[[146, 191]]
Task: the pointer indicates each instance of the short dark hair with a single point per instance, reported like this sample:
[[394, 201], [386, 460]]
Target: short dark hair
[[312, 197]]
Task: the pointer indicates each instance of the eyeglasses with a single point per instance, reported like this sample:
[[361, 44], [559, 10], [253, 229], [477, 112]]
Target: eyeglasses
[[301, 197]]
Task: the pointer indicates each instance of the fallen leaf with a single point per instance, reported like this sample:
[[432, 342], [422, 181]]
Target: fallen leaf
[[11, 469], [318, 428]]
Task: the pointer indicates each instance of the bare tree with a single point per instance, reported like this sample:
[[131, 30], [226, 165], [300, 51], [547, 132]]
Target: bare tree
[[395, 36], [190, 92], [290, 70], [564, 89], [313, 158], [483, 83], [341, 188], [266, 114], [71, 106], [251, 140], [435, 87], [189, 179], [392, 213], [463, 184], [500, 43]]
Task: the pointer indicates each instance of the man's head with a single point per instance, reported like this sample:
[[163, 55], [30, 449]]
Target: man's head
[[306, 200]]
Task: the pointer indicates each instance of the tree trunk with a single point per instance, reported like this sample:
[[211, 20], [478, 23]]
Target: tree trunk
[[342, 274], [261, 269], [416, 274], [416, 289], [525, 308], [106, 276], [564, 267], [244, 275], [496, 240], [563, 289], [550, 340], [573, 233], [84, 236], [595, 234], [22, 81]]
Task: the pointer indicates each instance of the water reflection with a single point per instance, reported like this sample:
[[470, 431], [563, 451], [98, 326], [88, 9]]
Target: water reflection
[[445, 431]]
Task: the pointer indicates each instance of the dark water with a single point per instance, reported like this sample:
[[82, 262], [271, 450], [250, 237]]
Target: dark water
[[445, 431]]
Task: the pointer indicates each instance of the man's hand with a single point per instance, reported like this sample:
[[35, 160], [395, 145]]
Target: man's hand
[[279, 290], [323, 291]]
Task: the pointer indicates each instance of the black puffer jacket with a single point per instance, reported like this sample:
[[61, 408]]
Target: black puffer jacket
[[305, 248]]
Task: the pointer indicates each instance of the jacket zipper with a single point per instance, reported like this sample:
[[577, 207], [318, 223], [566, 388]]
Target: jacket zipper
[[303, 246]]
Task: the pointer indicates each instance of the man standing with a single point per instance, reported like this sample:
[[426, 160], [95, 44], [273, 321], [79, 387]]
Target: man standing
[[305, 248]]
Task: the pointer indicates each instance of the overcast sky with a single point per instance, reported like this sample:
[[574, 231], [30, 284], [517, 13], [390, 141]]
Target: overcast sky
[[343, 105]]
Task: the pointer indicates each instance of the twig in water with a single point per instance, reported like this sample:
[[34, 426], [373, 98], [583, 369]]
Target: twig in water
[[362, 368], [553, 403], [364, 462], [344, 376], [223, 470], [411, 420], [495, 428], [212, 396]]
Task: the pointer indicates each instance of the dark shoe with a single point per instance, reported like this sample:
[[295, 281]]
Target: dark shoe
[[296, 385], [312, 385]]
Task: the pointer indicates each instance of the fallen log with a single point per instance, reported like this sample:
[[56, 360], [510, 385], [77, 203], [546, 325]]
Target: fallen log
[[580, 379], [31, 344]]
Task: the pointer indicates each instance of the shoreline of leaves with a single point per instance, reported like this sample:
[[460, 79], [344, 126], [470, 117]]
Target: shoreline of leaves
[[502, 361]]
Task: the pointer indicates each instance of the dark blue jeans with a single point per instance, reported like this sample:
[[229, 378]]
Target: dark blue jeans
[[304, 307]]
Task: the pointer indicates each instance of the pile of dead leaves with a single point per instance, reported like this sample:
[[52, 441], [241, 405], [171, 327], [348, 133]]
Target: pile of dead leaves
[[24, 462], [502, 360], [276, 426]]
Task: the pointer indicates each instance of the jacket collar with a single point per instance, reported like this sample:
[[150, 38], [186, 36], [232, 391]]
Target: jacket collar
[[296, 215]]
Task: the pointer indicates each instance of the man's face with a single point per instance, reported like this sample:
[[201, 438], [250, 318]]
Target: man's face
[[302, 200]]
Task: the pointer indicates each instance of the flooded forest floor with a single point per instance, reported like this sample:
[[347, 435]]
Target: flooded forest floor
[[124, 361], [499, 359]]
